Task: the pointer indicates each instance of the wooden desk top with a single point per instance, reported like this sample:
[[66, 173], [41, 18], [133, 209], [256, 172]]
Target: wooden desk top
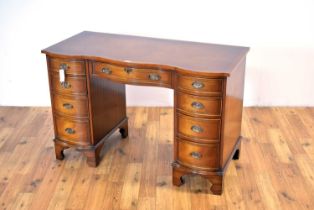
[[170, 54]]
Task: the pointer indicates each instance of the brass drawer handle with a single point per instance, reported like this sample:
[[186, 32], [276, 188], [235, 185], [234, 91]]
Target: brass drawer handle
[[128, 70], [197, 85], [197, 129], [67, 106], [196, 155], [66, 85], [154, 77], [197, 105], [63, 66], [69, 130], [106, 70]]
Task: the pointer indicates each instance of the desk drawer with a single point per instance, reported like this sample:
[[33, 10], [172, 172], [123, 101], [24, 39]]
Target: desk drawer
[[133, 75], [72, 131], [72, 85], [198, 128], [198, 155], [69, 105], [203, 106], [200, 85], [73, 67]]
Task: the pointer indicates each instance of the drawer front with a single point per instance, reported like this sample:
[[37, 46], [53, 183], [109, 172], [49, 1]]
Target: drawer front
[[70, 66], [198, 155], [72, 131], [133, 75], [198, 128], [205, 106], [72, 106], [200, 85], [72, 85]]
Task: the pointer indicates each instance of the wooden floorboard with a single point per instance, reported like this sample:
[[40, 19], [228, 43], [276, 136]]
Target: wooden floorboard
[[275, 170]]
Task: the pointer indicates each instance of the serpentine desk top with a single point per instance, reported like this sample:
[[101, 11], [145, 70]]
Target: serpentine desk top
[[194, 57]]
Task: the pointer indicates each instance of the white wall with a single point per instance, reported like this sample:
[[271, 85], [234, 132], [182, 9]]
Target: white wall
[[280, 65]]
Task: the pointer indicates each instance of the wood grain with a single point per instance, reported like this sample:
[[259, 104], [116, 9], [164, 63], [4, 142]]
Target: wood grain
[[182, 56], [275, 170], [130, 75]]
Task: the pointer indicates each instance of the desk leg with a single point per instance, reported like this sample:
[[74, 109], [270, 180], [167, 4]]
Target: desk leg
[[178, 171], [93, 155], [237, 153], [59, 148], [217, 184], [124, 129]]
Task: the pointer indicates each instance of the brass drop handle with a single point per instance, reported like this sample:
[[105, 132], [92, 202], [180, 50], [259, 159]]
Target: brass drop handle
[[197, 105], [198, 85], [197, 129], [66, 85], [196, 155], [106, 70], [69, 130], [128, 70], [63, 66], [67, 106], [154, 77]]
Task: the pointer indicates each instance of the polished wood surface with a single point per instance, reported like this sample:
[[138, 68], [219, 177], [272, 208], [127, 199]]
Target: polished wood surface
[[232, 111], [208, 83], [274, 172], [182, 56]]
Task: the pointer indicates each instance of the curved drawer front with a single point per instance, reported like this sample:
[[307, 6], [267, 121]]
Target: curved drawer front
[[72, 106], [72, 85], [198, 128], [133, 75], [204, 106], [198, 155], [200, 85], [72, 131], [74, 67]]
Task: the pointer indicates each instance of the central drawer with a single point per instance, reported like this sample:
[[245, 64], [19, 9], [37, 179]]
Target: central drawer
[[198, 129], [133, 75]]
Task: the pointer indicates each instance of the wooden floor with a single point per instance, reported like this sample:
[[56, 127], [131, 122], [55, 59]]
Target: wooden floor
[[275, 171]]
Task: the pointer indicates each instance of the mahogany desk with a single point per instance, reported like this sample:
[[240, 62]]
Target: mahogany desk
[[87, 77]]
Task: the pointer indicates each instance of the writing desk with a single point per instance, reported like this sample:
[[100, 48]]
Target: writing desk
[[87, 77]]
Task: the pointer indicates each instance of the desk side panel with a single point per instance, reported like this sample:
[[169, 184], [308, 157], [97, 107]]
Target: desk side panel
[[232, 112], [108, 105]]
